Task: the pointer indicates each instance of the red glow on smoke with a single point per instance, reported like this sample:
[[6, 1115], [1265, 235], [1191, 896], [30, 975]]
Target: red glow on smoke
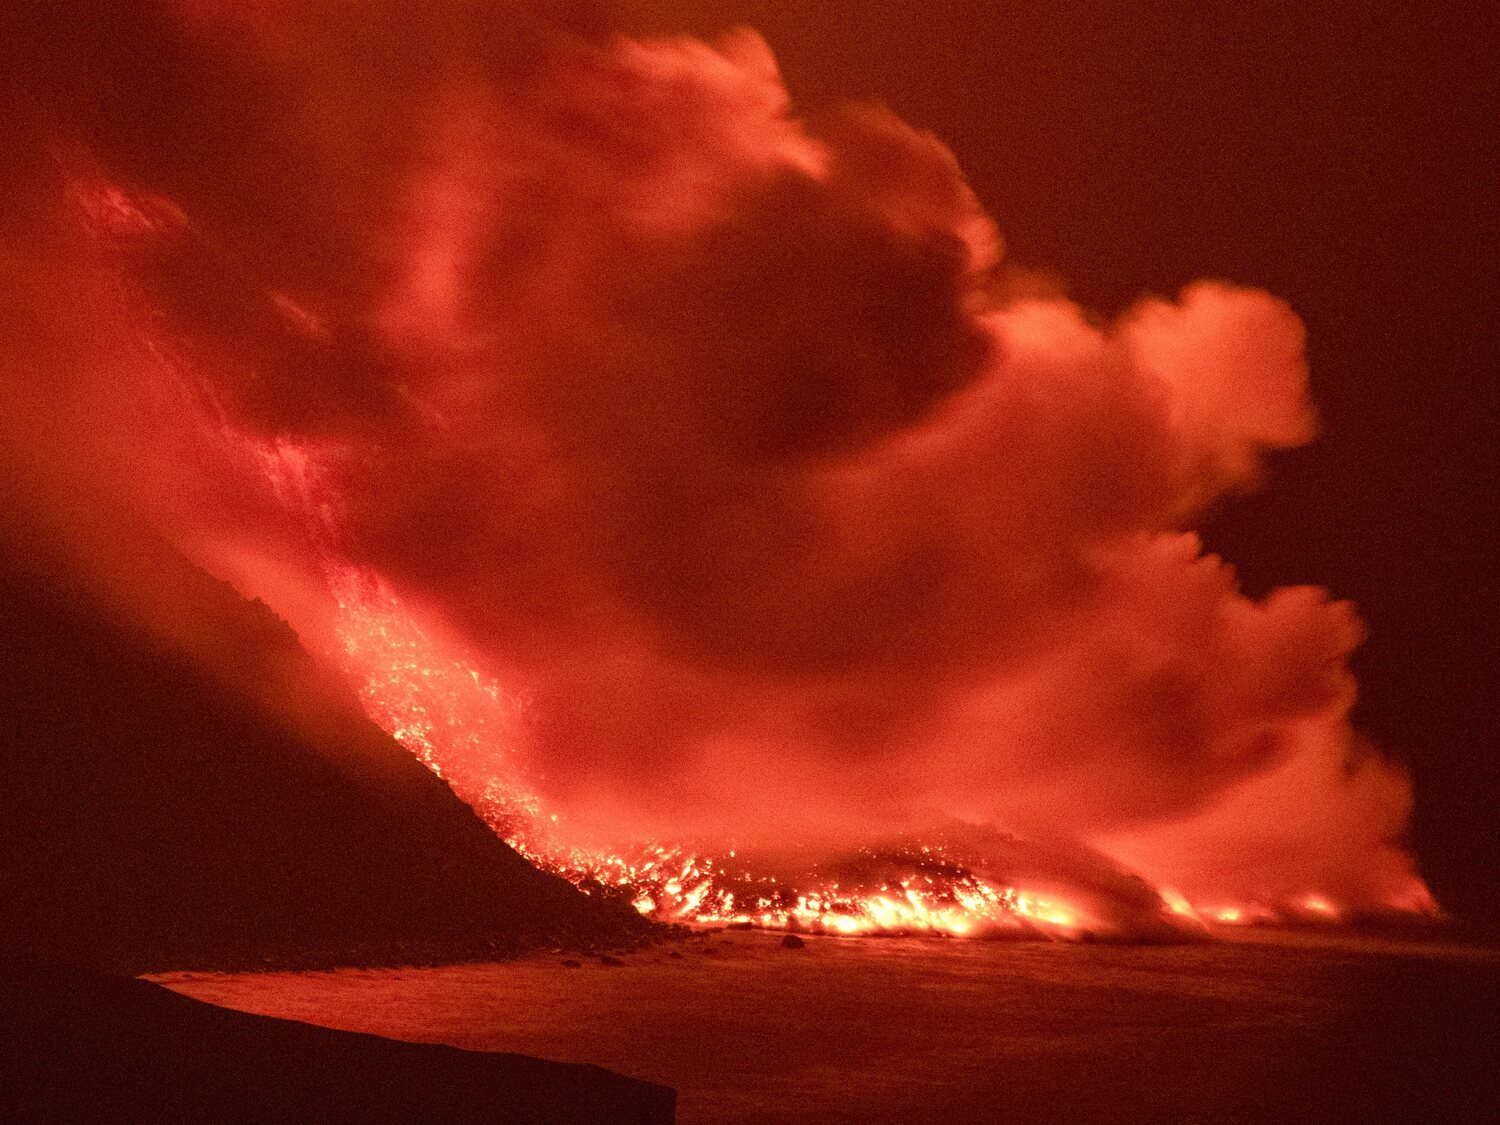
[[458, 722], [468, 729], [678, 480]]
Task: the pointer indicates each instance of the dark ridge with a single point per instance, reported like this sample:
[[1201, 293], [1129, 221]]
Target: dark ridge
[[155, 815], [80, 1047]]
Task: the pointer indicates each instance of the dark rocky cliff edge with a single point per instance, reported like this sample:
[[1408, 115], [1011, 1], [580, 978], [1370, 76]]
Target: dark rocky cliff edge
[[158, 812], [81, 1047], [192, 790]]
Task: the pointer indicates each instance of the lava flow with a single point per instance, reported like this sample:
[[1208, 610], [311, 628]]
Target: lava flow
[[454, 720], [464, 727], [662, 466]]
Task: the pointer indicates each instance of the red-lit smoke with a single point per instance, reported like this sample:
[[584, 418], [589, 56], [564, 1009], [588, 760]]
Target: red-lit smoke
[[715, 436]]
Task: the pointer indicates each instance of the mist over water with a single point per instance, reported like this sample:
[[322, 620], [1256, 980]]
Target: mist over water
[[714, 444]]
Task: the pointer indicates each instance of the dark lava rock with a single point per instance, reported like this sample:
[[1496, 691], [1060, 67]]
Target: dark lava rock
[[165, 808], [675, 955], [100, 1049], [792, 941], [569, 963], [606, 959]]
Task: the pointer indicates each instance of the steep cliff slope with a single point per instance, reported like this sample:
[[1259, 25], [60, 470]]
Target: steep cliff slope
[[160, 811]]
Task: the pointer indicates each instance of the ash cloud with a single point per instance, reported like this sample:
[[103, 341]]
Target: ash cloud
[[711, 431]]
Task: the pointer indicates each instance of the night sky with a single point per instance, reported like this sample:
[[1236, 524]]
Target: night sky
[[1340, 155]]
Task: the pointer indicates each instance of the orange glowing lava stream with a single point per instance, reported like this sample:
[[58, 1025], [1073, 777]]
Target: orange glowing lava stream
[[451, 717], [460, 724], [455, 720]]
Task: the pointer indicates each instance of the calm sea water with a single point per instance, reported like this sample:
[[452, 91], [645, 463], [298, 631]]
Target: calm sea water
[[1257, 1028]]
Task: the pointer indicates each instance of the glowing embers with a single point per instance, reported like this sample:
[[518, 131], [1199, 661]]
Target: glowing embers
[[112, 212], [909, 890], [441, 709], [1312, 909], [457, 722], [462, 725]]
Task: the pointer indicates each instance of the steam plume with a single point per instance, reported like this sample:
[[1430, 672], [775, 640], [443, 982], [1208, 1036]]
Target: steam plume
[[709, 432]]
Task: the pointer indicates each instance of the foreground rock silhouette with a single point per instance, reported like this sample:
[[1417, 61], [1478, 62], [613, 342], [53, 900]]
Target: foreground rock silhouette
[[85, 1047], [196, 792]]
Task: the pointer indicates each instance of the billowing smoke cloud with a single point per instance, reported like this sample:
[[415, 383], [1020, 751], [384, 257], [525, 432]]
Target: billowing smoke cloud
[[718, 436]]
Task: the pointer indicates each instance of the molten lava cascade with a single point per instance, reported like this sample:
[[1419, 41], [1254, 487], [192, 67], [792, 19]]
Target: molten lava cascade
[[446, 713], [695, 488], [453, 719], [456, 721], [464, 727]]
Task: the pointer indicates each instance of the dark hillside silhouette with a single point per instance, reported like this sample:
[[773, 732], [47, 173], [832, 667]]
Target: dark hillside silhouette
[[156, 815]]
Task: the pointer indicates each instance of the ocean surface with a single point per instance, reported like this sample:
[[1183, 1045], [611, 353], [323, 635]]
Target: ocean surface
[[1256, 1027]]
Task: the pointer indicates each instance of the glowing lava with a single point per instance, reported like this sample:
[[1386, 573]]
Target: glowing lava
[[461, 723], [465, 727], [714, 541], [452, 718]]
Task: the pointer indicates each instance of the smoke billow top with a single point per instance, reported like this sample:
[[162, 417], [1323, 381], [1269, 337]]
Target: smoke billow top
[[721, 438]]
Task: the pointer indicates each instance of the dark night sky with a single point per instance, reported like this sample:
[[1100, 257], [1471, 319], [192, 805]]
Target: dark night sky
[[1339, 155]]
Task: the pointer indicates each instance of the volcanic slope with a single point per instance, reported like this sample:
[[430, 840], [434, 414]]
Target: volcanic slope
[[160, 810]]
